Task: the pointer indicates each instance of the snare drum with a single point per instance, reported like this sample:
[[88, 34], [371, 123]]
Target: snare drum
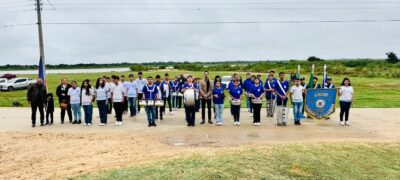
[[150, 102], [180, 95], [174, 94], [256, 101], [142, 103], [249, 95], [159, 103], [236, 102], [189, 97]]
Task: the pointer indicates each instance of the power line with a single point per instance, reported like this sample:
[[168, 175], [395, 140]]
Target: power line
[[16, 25]]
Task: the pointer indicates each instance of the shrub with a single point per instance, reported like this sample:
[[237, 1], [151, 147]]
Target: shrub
[[392, 58]]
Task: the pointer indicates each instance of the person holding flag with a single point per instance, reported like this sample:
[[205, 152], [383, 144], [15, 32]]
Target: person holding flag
[[282, 89]]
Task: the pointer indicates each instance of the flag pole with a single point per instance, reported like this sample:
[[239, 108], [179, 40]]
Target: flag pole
[[41, 44]]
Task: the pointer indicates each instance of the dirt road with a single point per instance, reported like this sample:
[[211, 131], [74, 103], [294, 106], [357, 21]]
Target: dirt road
[[60, 151]]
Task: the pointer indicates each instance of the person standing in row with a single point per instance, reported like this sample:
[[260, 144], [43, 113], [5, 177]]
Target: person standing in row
[[125, 84], [63, 98], [257, 93], [87, 96], [270, 95], [101, 99], [182, 81], [296, 97], [157, 83], [304, 85], [50, 109], [167, 89], [190, 109], [109, 99], [176, 89], [117, 96], [218, 100], [140, 82], [346, 97], [151, 94], [74, 94], [36, 96], [247, 84], [197, 87], [316, 84], [206, 88], [281, 90], [132, 93], [236, 94]]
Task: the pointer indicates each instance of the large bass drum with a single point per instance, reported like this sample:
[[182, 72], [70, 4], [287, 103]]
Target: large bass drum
[[190, 97]]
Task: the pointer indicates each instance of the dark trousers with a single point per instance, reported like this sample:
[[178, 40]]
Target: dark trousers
[[235, 109], [344, 110], [167, 100], [179, 99], [109, 106], [69, 111], [203, 109], [118, 106], [125, 104], [251, 105], [159, 112], [256, 113], [190, 115], [197, 105], [50, 117], [35, 107], [140, 97], [102, 105]]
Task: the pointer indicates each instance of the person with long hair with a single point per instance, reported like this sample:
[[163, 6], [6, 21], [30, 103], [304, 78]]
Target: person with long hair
[[87, 98], [257, 93], [74, 94], [101, 98], [218, 100], [346, 97], [247, 84], [236, 94], [63, 98]]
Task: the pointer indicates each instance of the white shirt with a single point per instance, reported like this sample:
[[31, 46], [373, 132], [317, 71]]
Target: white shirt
[[87, 99], [108, 89], [101, 94], [118, 92], [75, 95], [131, 89], [140, 84], [346, 93], [297, 93], [125, 84]]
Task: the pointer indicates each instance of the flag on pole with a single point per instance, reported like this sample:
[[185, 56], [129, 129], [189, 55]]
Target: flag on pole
[[311, 83], [298, 75], [42, 71], [324, 80]]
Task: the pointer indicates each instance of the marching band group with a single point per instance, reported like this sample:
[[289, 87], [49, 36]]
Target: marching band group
[[193, 94]]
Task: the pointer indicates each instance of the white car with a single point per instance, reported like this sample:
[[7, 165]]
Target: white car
[[226, 80], [3, 80], [17, 83]]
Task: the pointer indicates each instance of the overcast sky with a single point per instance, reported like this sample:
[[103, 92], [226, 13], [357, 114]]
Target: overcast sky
[[198, 42]]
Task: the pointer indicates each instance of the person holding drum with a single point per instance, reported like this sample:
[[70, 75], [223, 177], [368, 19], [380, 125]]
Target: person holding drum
[[150, 94], [218, 100], [140, 82], [269, 88], [257, 93], [189, 93], [236, 101], [282, 90], [158, 108], [166, 89], [247, 84], [176, 91], [196, 83]]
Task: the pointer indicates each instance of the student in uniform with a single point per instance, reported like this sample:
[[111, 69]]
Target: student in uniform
[[117, 96], [182, 81], [108, 86], [140, 82], [246, 87], [304, 85], [101, 92], [282, 90], [218, 100], [132, 93], [257, 92], [74, 94], [316, 84], [197, 86], [125, 84], [151, 93], [157, 83], [50, 109], [346, 97], [176, 89], [329, 84], [270, 95], [87, 97], [296, 97], [253, 78], [236, 94], [190, 111], [166, 90]]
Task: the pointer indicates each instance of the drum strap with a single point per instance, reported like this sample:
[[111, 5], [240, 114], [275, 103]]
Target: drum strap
[[152, 90], [280, 86], [316, 85]]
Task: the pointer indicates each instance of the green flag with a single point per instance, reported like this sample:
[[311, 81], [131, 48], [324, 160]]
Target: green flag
[[311, 83]]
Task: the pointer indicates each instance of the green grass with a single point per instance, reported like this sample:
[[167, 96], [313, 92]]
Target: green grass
[[370, 92], [309, 161]]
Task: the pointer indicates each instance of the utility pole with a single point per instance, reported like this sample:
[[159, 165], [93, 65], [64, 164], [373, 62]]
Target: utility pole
[[39, 23]]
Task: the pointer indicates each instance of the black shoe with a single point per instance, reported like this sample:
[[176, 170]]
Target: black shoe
[[70, 121], [75, 122], [79, 122], [62, 122], [279, 124], [33, 125], [51, 122], [210, 122], [41, 124], [284, 124], [150, 125], [154, 124], [203, 122], [47, 122]]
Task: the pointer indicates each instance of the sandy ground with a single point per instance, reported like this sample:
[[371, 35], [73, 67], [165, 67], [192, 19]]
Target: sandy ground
[[61, 151]]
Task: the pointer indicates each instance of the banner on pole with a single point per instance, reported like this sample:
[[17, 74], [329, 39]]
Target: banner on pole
[[320, 103]]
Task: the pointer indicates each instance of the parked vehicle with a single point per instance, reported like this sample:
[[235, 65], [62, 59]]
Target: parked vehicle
[[226, 80], [3, 80], [8, 76], [17, 83]]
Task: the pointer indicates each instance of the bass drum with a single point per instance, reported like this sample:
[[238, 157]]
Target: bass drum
[[189, 97]]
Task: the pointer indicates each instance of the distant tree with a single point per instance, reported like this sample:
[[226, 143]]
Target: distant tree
[[162, 67], [392, 58], [314, 59]]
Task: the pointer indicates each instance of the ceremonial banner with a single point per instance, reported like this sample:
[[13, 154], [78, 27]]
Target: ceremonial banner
[[320, 103]]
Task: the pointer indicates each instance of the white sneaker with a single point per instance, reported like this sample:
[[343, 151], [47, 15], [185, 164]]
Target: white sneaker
[[89, 124], [347, 123], [254, 124], [84, 124], [258, 124], [171, 113], [342, 123], [117, 123], [102, 124], [237, 123], [251, 115], [120, 123]]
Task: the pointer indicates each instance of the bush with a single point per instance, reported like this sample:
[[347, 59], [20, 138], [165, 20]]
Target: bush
[[139, 67], [392, 58], [314, 59]]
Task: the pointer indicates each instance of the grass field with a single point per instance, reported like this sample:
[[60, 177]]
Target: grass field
[[370, 92], [296, 161]]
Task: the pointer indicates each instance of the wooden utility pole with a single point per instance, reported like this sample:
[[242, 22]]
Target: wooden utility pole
[[39, 17]]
